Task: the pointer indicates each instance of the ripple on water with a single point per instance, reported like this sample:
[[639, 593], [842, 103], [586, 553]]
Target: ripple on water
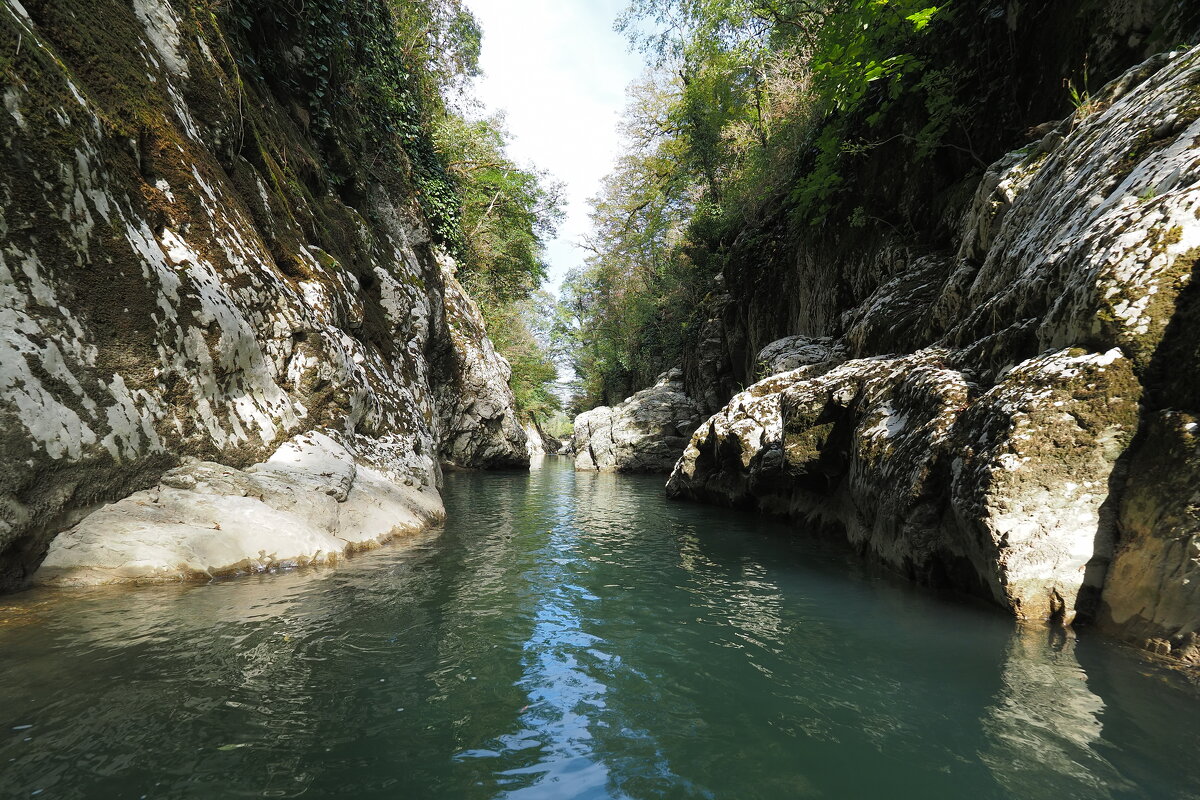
[[575, 636]]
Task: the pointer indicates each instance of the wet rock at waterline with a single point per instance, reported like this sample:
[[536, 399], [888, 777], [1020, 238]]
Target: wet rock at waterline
[[312, 501], [997, 491], [1042, 429], [645, 433], [168, 294]]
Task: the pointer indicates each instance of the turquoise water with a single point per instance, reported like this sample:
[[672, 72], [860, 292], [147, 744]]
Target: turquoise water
[[575, 636]]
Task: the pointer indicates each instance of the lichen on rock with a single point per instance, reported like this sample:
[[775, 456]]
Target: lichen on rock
[[179, 281], [1026, 430], [645, 433]]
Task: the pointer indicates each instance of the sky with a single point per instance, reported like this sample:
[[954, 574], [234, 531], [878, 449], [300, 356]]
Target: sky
[[559, 72]]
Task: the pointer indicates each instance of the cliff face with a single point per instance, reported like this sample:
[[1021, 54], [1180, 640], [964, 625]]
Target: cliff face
[[184, 286], [1003, 67], [1030, 436]]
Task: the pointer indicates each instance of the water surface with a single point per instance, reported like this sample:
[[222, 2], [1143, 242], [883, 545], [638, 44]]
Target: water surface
[[575, 636]]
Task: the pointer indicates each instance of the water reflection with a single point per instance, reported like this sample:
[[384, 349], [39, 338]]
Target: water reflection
[[1045, 722], [575, 636]]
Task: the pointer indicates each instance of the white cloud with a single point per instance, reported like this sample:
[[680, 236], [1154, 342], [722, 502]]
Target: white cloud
[[559, 71]]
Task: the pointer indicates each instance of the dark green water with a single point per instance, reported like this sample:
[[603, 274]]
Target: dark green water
[[575, 636]]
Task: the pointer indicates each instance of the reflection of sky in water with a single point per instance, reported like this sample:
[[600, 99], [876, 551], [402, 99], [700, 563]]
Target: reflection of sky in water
[[575, 636]]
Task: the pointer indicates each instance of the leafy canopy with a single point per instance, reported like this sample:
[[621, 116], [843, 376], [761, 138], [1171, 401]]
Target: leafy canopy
[[747, 109]]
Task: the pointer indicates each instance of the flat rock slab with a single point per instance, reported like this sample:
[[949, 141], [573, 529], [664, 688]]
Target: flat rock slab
[[310, 503]]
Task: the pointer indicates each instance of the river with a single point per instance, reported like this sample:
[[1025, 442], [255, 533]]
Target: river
[[576, 636]]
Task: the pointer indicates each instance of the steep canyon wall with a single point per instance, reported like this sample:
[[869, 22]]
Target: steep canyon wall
[[1015, 418], [986, 376], [268, 364]]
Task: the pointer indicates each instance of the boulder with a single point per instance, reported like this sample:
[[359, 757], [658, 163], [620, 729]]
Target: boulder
[[1152, 595], [478, 424], [645, 433], [312, 501]]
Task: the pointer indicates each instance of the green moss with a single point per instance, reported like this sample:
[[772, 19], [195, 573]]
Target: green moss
[[1161, 305]]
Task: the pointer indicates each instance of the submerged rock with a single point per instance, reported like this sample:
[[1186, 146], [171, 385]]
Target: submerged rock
[[645, 433], [1037, 423]]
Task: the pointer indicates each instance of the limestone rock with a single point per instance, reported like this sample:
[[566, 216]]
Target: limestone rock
[[1152, 596], [1036, 418], [534, 443], [312, 501], [792, 352], [540, 443], [479, 426], [997, 493], [166, 296], [707, 377], [645, 433]]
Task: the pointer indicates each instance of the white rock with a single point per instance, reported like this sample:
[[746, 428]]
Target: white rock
[[310, 503], [645, 433]]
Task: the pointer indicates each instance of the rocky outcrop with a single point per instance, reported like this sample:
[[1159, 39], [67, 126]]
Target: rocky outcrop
[[706, 373], [540, 442], [998, 492], [534, 444], [898, 205], [793, 352], [191, 306], [1030, 431], [479, 428], [312, 501], [645, 433]]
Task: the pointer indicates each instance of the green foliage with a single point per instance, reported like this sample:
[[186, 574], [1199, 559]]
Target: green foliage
[[560, 425], [366, 78], [441, 40], [511, 328], [749, 110], [861, 43], [507, 212], [368, 81]]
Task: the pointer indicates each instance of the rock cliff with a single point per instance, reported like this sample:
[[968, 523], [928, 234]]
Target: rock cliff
[[541, 443], [200, 318], [645, 433], [1014, 418]]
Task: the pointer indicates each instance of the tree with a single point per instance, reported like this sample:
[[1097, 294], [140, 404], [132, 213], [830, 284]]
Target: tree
[[743, 114], [507, 212]]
